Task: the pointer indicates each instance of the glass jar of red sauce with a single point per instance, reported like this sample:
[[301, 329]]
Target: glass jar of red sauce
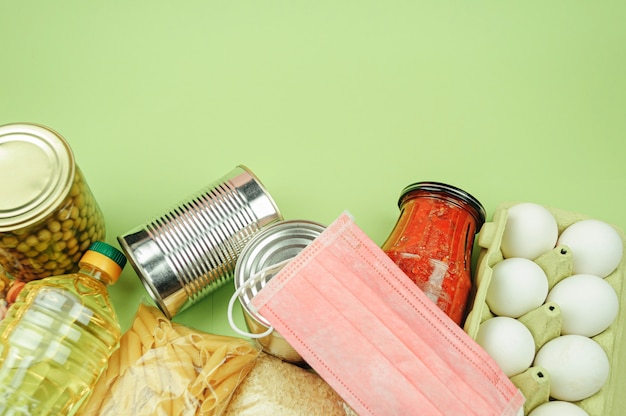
[[432, 242]]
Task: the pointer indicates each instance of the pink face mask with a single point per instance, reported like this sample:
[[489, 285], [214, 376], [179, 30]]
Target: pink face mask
[[365, 328]]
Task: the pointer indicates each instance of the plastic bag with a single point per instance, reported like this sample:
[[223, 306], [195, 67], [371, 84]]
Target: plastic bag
[[278, 388], [5, 284], [165, 368]]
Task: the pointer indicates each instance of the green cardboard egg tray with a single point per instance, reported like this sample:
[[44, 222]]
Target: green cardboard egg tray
[[544, 322]]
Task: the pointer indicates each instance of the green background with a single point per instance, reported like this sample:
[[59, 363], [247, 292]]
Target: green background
[[335, 105]]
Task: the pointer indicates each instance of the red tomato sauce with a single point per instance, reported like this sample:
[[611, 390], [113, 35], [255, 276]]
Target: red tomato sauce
[[432, 242]]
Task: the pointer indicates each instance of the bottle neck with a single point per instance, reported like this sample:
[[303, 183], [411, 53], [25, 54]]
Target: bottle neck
[[449, 200], [95, 273]]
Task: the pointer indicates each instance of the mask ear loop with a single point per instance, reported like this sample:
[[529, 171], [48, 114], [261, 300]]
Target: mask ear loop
[[260, 276]]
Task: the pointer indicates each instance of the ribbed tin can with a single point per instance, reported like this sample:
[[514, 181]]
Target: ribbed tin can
[[263, 257], [190, 251]]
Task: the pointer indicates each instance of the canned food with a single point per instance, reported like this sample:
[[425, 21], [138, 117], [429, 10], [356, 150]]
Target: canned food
[[190, 251], [272, 247], [48, 215]]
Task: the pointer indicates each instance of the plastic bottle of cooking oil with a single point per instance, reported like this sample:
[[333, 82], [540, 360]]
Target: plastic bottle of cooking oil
[[57, 337]]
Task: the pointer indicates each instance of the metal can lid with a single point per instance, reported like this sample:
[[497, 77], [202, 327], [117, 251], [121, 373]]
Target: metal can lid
[[39, 166], [275, 244]]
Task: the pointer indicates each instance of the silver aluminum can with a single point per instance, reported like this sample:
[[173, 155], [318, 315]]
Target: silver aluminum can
[[273, 246], [191, 251]]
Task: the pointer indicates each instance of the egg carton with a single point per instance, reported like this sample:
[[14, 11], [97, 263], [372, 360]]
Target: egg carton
[[545, 322]]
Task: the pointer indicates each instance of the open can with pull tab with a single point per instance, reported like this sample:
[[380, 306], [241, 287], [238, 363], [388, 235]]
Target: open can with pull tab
[[261, 259]]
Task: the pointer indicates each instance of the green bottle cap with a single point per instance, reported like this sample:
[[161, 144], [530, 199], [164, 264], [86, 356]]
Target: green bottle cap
[[109, 251]]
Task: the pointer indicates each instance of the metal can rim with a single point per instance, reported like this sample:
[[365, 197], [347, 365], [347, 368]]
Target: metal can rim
[[275, 209], [44, 198], [255, 248]]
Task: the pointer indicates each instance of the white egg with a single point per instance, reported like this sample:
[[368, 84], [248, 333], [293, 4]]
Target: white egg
[[518, 285], [596, 247], [558, 408], [577, 366], [530, 231], [588, 304], [508, 342]]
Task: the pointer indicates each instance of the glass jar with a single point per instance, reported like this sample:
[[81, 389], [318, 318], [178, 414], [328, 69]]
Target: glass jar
[[432, 242], [48, 215]]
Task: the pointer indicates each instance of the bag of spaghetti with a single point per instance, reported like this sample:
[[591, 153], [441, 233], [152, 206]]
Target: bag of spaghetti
[[165, 368]]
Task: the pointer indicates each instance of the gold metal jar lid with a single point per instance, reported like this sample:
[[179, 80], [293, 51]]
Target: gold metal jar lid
[[36, 173]]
